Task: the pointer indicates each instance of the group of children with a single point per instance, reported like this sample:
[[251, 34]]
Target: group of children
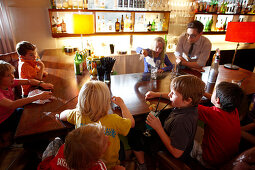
[[95, 144]]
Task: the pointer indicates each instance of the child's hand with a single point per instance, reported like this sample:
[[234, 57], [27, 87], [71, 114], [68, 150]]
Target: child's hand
[[45, 73], [47, 85], [40, 63], [44, 95], [160, 70], [154, 122], [118, 101], [119, 167], [150, 95]]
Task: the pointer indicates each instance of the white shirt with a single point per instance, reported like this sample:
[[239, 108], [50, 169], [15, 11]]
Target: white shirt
[[200, 53]]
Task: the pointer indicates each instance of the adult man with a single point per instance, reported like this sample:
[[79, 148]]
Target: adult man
[[193, 49]]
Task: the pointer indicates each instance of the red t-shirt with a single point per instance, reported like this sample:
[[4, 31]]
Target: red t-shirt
[[222, 134], [59, 163]]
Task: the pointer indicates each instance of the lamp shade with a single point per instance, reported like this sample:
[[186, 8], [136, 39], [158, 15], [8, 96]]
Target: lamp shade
[[83, 23], [241, 32]]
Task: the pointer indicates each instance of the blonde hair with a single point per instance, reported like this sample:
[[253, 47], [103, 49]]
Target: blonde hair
[[189, 86], [94, 100], [4, 67], [162, 54], [84, 146]]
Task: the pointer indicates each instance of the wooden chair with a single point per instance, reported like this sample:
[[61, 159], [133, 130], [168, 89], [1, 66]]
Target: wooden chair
[[13, 59]]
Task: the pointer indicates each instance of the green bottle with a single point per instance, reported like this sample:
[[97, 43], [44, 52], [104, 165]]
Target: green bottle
[[77, 64], [153, 25]]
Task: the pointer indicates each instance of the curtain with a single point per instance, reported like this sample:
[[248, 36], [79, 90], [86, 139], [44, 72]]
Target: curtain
[[7, 40]]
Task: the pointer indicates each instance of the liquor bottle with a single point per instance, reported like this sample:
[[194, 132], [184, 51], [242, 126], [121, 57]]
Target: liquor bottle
[[53, 4], [58, 25], [125, 3], [149, 26], [225, 25], [126, 23], [80, 4], [117, 26], [103, 25], [63, 26], [65, 4], [77, 64], [130, 23], [99, 28], [120, 3], [153, 25], [213, 73], [122, 24], [131, 4], [110, 26], [70, 4], [54, 25]]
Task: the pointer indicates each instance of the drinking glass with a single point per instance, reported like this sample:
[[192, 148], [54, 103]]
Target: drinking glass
[[148, 127]]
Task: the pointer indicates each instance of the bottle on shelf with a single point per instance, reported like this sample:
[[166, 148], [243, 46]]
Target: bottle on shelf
[[122, 24], [58, 4], [126, 23], [65, 4], [63, 26], [225, 25], [54, 25], [120, 3], [75, 4], [110, 26], [213, 73], [70, 4], [80, 4], [164, 24], [99, 28], [53, 4], [125, 3], [58, 25], [153, 25], [131, 4], [103, 25], [117, 26], [130, 23], [149, 26]]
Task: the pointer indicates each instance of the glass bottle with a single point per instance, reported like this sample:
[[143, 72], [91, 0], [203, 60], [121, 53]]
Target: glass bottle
[[122, 24], [213, 73], [117, 26], [53, 25], [63, 26], [98, 24], [65, 4]]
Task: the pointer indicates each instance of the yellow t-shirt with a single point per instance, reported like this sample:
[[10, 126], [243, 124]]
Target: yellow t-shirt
[[114, 125]]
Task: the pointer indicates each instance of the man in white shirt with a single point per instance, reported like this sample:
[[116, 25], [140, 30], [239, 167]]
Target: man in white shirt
[[193, 49]]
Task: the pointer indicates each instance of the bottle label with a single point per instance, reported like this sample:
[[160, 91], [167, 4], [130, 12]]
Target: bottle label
[[212, 76]]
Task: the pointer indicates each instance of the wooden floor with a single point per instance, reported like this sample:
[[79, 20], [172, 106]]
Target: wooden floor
[[17, 158]]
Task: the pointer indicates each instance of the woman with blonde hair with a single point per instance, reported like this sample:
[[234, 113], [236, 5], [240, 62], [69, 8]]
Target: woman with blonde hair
[[156, 55], [93, 105]]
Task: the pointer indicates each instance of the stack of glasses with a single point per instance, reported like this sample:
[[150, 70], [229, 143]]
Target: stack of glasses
[[105, 68]]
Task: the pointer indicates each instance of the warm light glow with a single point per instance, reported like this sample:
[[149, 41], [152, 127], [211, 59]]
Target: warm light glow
[[83, 23]]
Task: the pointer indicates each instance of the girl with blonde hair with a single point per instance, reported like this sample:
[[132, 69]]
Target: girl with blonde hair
[[157, 53], [93, 105]]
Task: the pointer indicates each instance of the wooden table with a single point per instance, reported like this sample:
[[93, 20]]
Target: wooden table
[[39, 122]]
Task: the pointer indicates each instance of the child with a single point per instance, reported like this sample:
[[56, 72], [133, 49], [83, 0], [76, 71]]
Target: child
[[93, 105], [177, 132], [158, 54], [222, 131], [28, 61], [9, 109], [83, 149]]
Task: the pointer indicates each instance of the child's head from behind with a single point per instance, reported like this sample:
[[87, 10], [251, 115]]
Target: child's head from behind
[[26, 50], [228, 96], [94, 100], [85, 145], [186, 90], [6, 73]]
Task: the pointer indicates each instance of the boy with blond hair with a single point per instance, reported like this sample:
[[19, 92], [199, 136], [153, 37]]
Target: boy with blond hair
[[176, 133], [28, 64]]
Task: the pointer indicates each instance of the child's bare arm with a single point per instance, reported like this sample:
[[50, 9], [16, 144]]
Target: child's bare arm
[[63, 115], [208, 95], [248, 127], [155, 123], [21, 102], [34, 82], [39, 75], [151, 94], [125, 112]]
